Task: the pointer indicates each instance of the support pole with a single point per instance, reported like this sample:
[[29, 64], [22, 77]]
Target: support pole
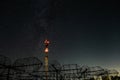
[[46, 42]]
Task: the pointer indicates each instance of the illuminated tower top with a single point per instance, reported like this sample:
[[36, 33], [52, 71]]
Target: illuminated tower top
[[46, 42]]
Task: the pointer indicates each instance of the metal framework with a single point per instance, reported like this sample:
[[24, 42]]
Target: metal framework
[[32, 68]]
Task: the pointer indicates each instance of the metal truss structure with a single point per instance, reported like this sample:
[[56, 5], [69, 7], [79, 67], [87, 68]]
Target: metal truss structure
[[32, 68]]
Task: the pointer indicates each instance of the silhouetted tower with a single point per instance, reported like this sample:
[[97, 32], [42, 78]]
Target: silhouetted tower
[[46, 42]]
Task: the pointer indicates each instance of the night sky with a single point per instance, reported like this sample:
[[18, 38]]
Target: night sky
[[80, 31]]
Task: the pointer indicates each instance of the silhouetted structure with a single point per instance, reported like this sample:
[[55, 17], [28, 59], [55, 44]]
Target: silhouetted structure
[[32, 68]]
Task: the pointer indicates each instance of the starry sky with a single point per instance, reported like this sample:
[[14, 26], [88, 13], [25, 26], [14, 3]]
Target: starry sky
[[83, 32]]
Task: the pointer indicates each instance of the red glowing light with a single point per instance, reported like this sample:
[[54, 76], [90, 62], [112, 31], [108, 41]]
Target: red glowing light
[[46, 41]]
